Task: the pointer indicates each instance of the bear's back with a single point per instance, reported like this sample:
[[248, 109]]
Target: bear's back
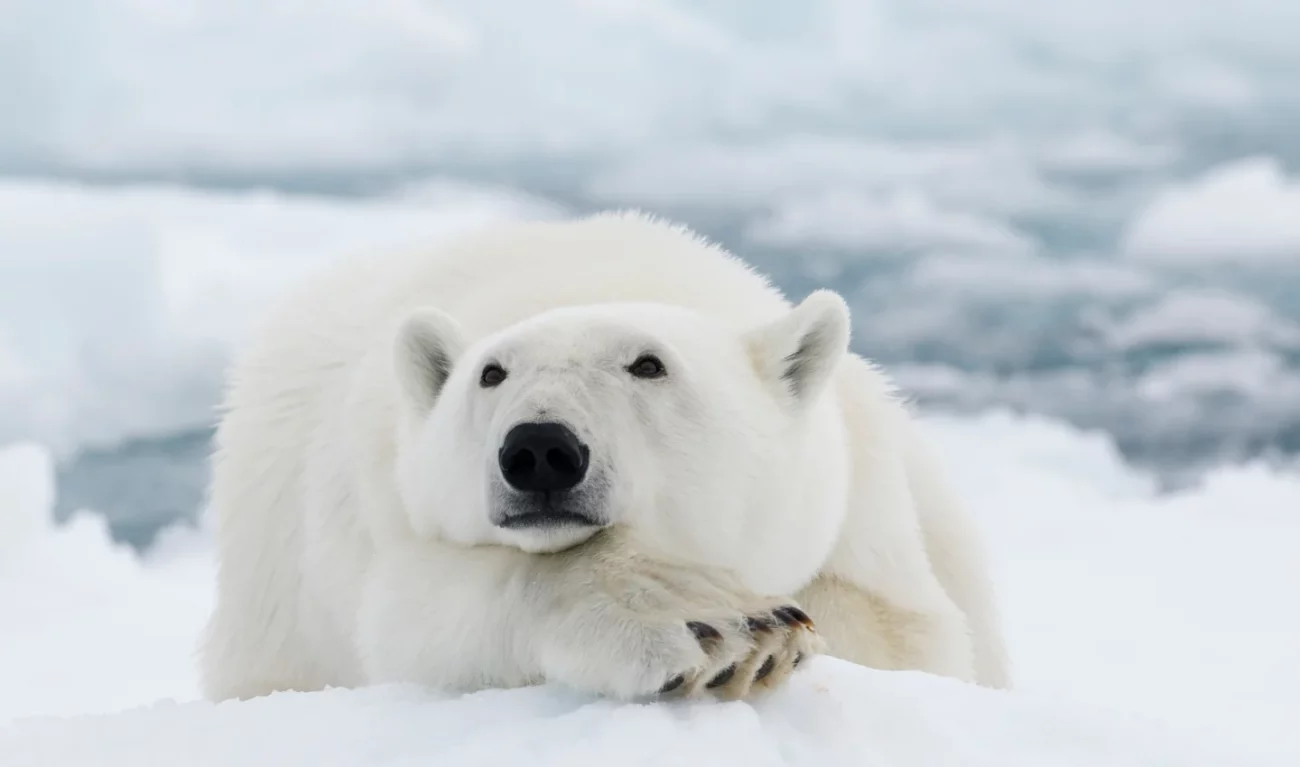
[[501, 276]]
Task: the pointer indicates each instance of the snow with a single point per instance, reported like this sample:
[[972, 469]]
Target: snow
[[119, 306], [149, 84], [1205, 316], [87, 626], [1246, 211], [957, 276], [834, 714], [985, 176], [1098, 152], [905, 222], [1260, 375], [1085, 209], [26, 496], [1179, 606], [1145, 629]]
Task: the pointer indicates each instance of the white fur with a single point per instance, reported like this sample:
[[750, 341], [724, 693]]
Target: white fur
[[353, 481]]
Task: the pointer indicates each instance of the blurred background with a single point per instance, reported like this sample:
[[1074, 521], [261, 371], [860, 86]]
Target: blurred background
[[1088, 211]]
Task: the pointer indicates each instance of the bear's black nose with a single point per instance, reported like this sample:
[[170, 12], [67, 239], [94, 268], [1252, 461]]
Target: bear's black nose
[[538, 457]]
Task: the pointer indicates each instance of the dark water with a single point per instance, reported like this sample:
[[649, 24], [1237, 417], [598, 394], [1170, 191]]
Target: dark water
[[139, 487]]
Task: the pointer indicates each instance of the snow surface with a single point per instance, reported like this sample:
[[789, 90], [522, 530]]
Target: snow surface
[[26, 493], [1244, 212], [1085, 209], [1145, 630], [329, 86], [834, 714]]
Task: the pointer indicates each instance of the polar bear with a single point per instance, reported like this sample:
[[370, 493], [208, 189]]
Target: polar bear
[[601, 452]]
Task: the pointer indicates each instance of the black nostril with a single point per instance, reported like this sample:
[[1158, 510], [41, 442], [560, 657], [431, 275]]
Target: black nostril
[[561, 461], [542, 457], [520, 462]]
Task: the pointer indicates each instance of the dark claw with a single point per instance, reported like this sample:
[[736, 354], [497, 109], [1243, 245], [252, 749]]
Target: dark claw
[[799, 615], [766, 668], [793, 615], [673, 684], [723, 677], [703, 630], [798, 658], [760, 624]]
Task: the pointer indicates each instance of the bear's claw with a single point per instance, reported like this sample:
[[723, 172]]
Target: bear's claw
[[755, 656], [722, 678], [673, 683], [654, 628], [703, 631], [792, 615]]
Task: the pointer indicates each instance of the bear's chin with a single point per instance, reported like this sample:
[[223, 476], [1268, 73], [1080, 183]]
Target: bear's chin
[[548, 521], [546, 540], [546, 527]]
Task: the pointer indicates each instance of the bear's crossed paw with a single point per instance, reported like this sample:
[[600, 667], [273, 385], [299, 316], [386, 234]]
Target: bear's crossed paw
[[779, 640]]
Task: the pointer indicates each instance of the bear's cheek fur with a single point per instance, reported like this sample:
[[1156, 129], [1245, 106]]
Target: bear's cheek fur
[[442, 476]]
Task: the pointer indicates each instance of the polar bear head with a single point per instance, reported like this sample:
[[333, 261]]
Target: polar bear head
[[647, 415]]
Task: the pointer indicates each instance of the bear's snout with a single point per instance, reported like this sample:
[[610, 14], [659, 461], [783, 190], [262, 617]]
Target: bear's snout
[[543, 457]]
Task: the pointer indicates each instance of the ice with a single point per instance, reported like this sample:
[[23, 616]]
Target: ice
[[87, 627], [1101, 152], [956, 277], [986, 176], [906, 223], [142, 84], [1145, 628], [1240, 213], [1087, 209], [1206, 315], [26, 497], [1180, 600], [119, 306], [833, 715], [1258, 374]]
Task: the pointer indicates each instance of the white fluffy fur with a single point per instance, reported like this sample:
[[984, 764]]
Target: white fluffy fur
[[769, 466]]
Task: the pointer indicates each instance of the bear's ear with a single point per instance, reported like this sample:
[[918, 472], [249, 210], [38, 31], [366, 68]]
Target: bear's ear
[[797, 353], [427, 345]]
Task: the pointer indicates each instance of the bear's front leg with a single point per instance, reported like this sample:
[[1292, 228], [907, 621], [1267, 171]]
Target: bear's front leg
[[454, 618], [625, 625], [597, 617]]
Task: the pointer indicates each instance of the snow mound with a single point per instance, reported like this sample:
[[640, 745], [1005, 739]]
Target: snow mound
[[1243, 212], [903, 222], [1172, 605], [26, 496], [88, 627], [833, 713]]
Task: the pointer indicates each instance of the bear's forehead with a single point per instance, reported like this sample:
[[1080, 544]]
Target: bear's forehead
[[605, 334], [599, 325], [575, 341]]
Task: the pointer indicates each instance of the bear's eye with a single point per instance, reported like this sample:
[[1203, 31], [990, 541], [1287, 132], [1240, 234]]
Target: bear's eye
[[647, 366], [493, 375]]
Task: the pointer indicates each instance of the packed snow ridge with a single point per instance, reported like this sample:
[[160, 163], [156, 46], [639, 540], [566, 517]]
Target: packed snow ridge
[[832, 714]]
